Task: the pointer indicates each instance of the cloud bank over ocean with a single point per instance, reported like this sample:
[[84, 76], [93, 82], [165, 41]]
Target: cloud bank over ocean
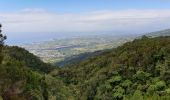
[[39, 20], [27, 22]]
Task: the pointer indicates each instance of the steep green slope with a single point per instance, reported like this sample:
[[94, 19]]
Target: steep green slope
[[136, 70], [22, 77], [27, 58]]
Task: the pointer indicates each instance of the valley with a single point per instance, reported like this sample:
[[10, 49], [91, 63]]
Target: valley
[[57, 50]]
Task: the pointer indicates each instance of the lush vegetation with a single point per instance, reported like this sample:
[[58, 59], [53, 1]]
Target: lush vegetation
[[137, 70], [27, 58], [24, 77]]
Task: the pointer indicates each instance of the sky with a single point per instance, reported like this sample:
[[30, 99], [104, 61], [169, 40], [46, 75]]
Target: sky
[[36, 20]]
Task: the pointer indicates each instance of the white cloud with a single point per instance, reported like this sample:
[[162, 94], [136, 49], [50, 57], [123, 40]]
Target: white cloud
[[34, 10], [39, 20]]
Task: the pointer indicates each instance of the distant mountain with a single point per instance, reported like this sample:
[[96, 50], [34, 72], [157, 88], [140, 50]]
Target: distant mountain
[[165, 32]]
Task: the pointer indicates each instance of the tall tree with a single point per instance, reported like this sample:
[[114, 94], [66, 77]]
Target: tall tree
[[2, 37]]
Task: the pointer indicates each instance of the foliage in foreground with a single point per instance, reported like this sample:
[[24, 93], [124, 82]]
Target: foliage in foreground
[[24, 77]]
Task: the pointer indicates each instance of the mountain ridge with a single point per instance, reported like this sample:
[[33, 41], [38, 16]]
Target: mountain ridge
[[165, 32]]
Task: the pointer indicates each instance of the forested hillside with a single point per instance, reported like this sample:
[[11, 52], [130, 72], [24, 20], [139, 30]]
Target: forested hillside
[[23, 76], [138, 70], [28, 59]]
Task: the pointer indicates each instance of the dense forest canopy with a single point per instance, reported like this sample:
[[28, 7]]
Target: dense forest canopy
[[137, 70]]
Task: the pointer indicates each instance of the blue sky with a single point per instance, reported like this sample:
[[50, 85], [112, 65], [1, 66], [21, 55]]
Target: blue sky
[[63, 6], [45, 19]]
